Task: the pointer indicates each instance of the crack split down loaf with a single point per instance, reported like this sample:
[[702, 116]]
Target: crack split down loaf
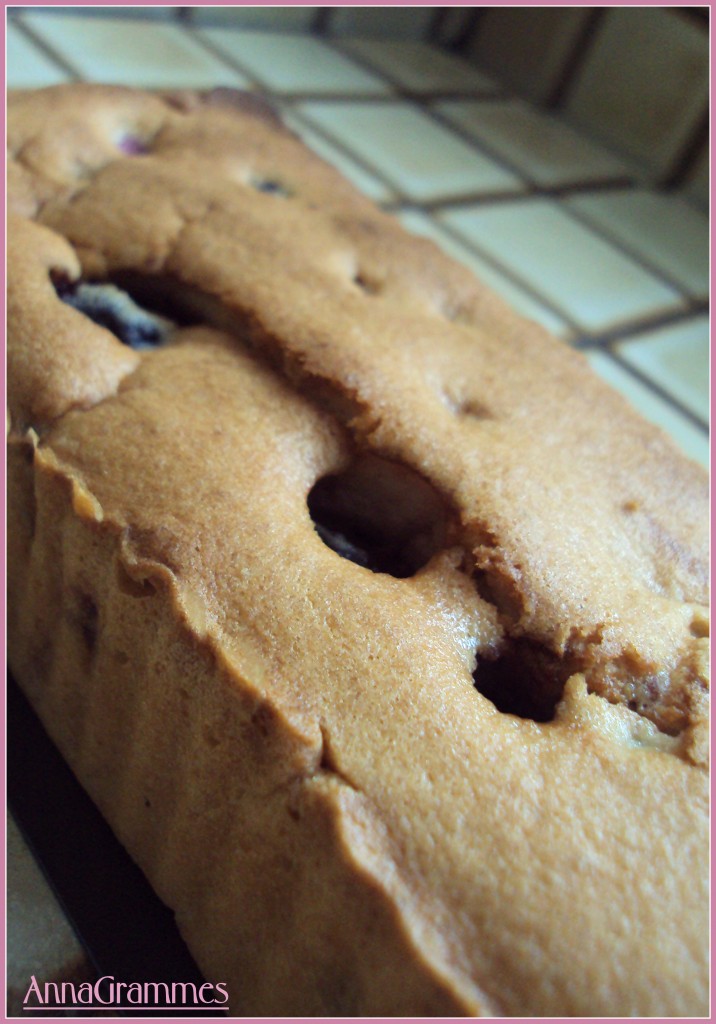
[[373, 623]]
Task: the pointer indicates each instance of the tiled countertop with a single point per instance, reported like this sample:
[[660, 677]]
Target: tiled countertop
[[563, 228]]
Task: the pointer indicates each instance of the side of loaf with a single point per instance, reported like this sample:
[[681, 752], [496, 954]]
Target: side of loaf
[[374, 624]]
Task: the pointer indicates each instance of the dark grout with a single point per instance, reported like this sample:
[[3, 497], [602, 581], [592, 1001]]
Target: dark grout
[[643, 261], [690, 152], [506, 272], [321, 21], [348, 152], [47, 50], [633, 333], [530, 191], [605, 181], [664, 395], [644, 325], [576, 58], [495, 90], [230, 62], [468, 32]]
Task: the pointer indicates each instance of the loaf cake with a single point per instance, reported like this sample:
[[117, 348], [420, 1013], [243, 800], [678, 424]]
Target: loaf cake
[[375, 625]]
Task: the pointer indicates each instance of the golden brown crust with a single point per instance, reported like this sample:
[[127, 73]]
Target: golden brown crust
[[324, 716]]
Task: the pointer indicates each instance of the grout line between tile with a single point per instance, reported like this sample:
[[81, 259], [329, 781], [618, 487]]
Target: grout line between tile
[[582, 338], [506, 271], [46, 49], [439, 202], [348, 152], [535, 192], [434, 26], [597, 185], [574, 61], [466, 137], [661, 392], [296, 95], [633, 331], [689, 152], [603, 181], [468, 32], [633, 254], [191, 30], [320, 23], [528, 192], [474, 92]]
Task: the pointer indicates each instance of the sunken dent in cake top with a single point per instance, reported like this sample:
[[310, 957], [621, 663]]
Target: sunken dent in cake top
[[466, 580]]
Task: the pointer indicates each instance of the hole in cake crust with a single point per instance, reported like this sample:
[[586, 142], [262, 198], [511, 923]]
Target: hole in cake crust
[[469, 407], [111, 307], [521, 682], [370, 286], [474, 408], [381, 515], [160, 296]]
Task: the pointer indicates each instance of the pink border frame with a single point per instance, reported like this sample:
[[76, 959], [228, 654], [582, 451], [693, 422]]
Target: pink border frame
[[224, 3]]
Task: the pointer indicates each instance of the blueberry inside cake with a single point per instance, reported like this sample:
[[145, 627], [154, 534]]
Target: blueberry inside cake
[[374, 624]]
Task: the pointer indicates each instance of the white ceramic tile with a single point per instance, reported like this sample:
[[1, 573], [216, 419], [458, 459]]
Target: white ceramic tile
[[130, 52], [644, 83], [546, 150], [26, 66], [692, 441], [518, 298], [150, 12], [363, 180], [665, 231], [596, 286], [677, 359], [274, 19], [384, 22], [419, 67], [294, 63], [526, 47], [418, 156]]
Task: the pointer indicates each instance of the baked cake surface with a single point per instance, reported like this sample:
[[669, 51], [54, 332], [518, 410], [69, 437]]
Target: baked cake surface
[[373, 622]]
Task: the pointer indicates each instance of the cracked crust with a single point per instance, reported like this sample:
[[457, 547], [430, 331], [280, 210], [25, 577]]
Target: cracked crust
[[325, 721]]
